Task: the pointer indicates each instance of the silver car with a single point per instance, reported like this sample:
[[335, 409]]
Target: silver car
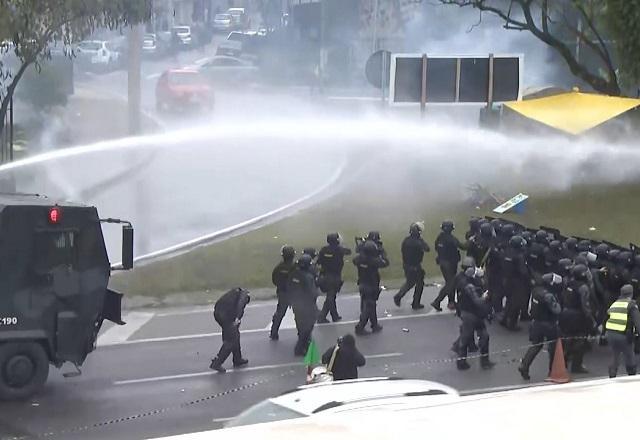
[[222, 22], [226, 69]]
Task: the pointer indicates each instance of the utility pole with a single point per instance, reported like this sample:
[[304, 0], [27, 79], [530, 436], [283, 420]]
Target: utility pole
[[376, 12], [134, 79]]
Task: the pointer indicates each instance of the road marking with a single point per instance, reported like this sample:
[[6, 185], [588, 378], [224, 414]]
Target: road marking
[[239, 370], [263, 330], [120, 333], [222, 420]]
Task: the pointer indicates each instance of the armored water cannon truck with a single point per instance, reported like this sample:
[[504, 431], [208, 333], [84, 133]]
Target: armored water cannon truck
[[54, 295]]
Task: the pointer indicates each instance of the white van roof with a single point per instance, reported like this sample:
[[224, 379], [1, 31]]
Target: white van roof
[[591, 409]]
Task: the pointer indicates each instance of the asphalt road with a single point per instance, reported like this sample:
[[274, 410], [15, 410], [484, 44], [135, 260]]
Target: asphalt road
[[150, 378]]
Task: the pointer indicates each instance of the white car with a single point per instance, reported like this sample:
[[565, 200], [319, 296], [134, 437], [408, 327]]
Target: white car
[[222, 22], [225, 69], [97, 53], [347, 396]]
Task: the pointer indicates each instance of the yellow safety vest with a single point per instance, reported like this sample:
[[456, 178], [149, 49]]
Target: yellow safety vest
[[618, 314]]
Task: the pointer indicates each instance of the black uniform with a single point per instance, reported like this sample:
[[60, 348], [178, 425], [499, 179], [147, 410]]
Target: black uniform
[[331, 262], [369, 265], [545, 311], [576, 322], [448, 249], [413, 250], [228, 312], [495, 278], [280, 277], [303, 293], [516, 285], [474, 308], [347, 360]]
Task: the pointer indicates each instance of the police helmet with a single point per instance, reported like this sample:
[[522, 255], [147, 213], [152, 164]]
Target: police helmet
[[555, 245], [516, 242], [474, 224], [416, 228], [571, 243], [527, 236], [467, 262], [508, 230], [447, 226], [579, 271], [333, 238], [486, 230], [304, 262], [565, 264], [374, 235], [370, 248], [625, 258], [626, 290], [288, 252], [613, 254], [474, 272], [581, 259], [542, 237], [310, 251], [602, 250], [584, 246], [496, 224], [551, 279]]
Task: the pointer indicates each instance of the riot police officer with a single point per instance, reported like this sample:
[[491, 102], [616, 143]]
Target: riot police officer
[[478, 245], [623, 322], [413, 250], [447, 246], [228, 312], [576, 318], [369, 261], [331, 263], [280, 277], [302, 290], [475, 307], [552, 255], [570, 248], [536, 256], [516, 282], [545, 311]]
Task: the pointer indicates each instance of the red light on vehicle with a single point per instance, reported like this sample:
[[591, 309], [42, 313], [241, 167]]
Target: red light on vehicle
[[55, 214]]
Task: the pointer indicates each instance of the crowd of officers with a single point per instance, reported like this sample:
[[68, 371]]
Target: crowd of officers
[[565, 286]]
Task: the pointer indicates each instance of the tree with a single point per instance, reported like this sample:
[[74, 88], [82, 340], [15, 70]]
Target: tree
[[559, 23], [623, 20], [29, 29]]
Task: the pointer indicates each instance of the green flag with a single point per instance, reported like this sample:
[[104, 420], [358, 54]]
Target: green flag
[[313, 356]]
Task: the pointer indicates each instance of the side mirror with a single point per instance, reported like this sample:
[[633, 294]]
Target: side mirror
[[127, 247]]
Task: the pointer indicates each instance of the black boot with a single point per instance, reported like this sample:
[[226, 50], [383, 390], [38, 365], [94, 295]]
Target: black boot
[[217, 365], [524, 372], [612, 373], [485, 363], [462, 364], [240, 363], [631, 371]]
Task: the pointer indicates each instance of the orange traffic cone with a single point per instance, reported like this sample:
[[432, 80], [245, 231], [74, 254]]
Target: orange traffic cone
[[558, 372]]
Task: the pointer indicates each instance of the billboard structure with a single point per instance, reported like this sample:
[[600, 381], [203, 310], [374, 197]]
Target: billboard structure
[[420, 79]]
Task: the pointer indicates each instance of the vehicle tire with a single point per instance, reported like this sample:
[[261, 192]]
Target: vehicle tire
[[24, 367]]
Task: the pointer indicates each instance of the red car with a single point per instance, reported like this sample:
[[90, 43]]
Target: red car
[[183, 89]]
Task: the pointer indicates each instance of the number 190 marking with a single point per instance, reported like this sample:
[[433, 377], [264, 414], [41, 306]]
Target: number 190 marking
[[9, 320]]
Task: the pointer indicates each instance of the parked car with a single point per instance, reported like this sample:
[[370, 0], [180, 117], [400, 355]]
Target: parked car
[[183, 89], [251, 41], [181, 38], [239, 17], [225, 69], [96, 54], [150, 46], [222, 23], [347, 396], [229, 48]]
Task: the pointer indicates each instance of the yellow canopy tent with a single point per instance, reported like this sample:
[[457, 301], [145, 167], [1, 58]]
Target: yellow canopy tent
[[573, 112]]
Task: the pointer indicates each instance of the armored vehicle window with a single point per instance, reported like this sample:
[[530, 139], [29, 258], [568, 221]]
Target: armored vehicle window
[[55, 248]]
